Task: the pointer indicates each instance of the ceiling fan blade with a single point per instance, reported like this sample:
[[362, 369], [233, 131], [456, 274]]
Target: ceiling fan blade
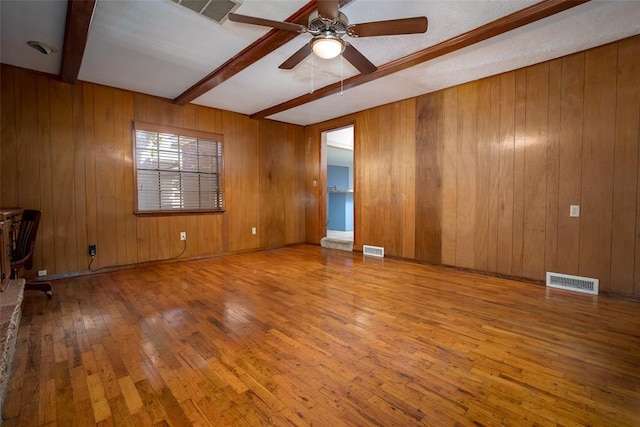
[[287, 26], [328, 9], [358, 60], [392, 27], [296, 58]]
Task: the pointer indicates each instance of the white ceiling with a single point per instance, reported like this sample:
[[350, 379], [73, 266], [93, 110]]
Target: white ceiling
[[340, 138], [160, 48], [339, 157], [340, 146]]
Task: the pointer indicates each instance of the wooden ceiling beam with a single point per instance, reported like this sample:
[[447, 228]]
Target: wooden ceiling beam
[[76, 33], [251, 54], [502, 25]]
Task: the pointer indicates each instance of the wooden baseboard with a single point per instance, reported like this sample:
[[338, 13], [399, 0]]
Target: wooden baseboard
[[108, 269]]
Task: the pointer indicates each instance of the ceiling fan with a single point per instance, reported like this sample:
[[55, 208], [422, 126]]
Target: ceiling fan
[[328, 26]]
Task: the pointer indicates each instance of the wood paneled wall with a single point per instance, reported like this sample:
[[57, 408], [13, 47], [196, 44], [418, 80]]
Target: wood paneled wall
[[67, 150], [384, 178], [479, 175], [282, 184], [528, 144], [482, 175]]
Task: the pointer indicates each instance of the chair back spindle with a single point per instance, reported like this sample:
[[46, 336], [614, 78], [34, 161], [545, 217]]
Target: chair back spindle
[[22, 255]]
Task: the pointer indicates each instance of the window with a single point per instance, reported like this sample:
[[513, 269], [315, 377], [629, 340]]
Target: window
[[177, 170]]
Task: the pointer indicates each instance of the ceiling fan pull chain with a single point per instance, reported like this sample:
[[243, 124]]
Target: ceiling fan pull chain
[[341, 76], [312, 67]]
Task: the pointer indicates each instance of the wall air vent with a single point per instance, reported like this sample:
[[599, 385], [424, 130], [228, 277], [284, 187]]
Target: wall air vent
[[216, 10], [376, 251], [568, 282]]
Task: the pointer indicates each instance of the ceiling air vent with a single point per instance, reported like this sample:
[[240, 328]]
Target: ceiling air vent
[[216, 10], [568, 282]]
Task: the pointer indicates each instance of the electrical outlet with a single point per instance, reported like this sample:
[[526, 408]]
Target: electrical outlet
[[42, 273], [92, 250], [574, 211], [183, 235], [253, 230]]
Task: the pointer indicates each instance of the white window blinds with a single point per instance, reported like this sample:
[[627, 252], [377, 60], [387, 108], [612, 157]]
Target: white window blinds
[[177, 170]]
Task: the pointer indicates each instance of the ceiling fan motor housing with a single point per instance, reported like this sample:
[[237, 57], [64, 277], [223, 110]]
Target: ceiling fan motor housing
[[319, 25]]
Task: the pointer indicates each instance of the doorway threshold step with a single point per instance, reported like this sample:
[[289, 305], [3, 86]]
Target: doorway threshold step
[[343, 245]]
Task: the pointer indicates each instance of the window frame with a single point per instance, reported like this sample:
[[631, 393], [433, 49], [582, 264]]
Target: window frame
[[190, 133]]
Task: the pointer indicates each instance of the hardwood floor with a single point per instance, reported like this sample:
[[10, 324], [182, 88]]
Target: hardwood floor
[[303, 335]]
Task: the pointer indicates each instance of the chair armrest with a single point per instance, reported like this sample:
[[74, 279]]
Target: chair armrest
[[25, 258]]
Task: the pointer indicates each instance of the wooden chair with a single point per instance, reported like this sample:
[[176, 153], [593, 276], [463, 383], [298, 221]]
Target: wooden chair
[[22, 256]]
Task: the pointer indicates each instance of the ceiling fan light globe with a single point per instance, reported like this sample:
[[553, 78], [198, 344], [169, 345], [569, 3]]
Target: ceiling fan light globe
[[327, 48]]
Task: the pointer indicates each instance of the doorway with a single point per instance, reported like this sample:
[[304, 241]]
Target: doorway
[[338, 144]]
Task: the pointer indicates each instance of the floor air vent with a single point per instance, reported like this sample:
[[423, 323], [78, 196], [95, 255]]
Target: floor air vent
[[376, 251], [568, 282]]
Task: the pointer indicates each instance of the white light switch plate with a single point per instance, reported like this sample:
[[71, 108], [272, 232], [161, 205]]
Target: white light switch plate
[[574, 211]]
